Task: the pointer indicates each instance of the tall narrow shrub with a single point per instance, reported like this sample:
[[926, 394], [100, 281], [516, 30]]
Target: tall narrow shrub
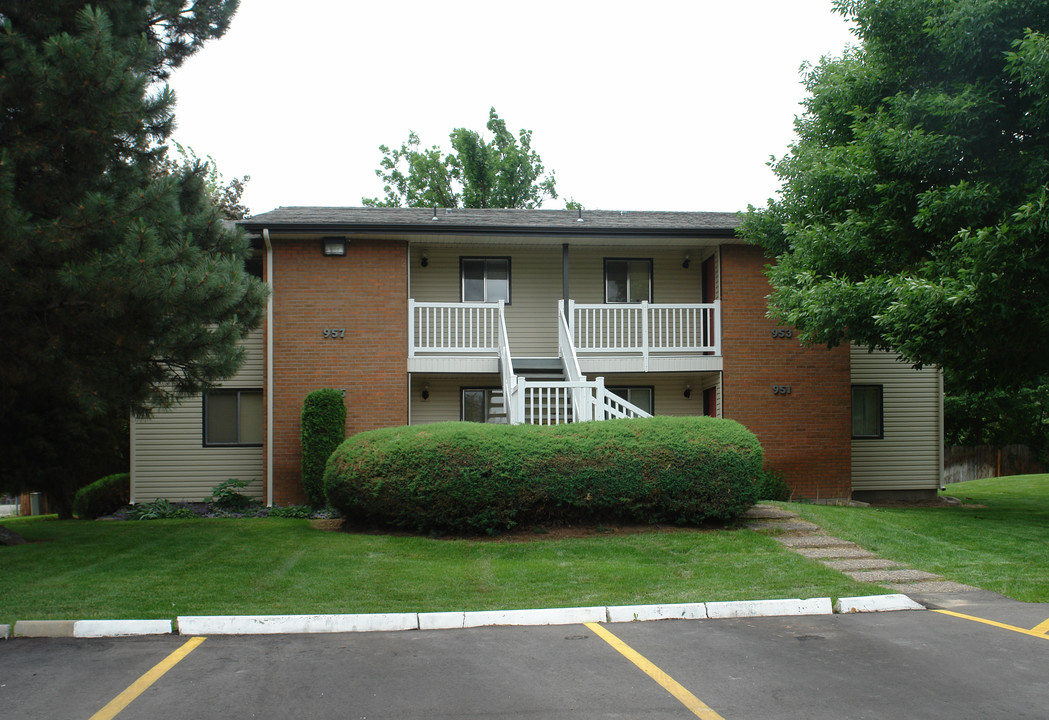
[[323, 428]]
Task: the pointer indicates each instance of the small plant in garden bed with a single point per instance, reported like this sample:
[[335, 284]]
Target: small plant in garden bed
[[163, 509], [226, 502]]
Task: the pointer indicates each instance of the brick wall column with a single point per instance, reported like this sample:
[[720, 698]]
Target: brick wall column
[[805, 433], [364, 298]]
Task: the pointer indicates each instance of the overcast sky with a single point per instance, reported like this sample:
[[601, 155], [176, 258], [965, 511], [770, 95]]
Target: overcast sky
[[657, 105]]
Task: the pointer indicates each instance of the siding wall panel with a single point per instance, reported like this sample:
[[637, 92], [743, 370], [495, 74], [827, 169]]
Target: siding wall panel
[[170, 460], [909, 456]]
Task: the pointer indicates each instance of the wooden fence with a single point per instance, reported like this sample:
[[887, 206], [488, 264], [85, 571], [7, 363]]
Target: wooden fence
[[984, 461]]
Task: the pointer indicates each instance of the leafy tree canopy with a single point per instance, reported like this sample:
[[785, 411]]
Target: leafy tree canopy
[[914, 211], [122, 285], [501, 173]]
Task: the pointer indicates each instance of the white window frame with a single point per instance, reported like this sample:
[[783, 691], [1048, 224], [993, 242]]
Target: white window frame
[[627, 261], [485, 297]]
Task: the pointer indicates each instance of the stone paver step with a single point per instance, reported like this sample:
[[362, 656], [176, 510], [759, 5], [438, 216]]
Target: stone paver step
[[821, 553], [892, 576], [782, 526], [767, 512], [867, 563], [943, 586], [815, 541]]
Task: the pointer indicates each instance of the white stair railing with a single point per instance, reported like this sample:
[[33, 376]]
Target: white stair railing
[[582, 409], [511, 390]]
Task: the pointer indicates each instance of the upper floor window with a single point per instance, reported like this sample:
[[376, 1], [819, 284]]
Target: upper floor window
[[867, 415], [233, 417], [485, 279], [628, 280]]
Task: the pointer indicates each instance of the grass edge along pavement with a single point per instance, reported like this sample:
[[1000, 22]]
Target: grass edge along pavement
[[171, 568]]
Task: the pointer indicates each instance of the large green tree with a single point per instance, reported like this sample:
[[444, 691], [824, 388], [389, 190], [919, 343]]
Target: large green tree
[[914, 210], [122, 286], [504, 172]]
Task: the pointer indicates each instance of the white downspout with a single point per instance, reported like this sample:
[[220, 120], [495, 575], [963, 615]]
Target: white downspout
[[269, 369]]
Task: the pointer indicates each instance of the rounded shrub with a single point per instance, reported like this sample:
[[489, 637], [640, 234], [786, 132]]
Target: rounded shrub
[[323, 428], [476, 478], [103, 497]]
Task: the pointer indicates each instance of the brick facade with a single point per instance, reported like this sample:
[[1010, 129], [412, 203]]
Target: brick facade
[[364, 294], [806, 434]]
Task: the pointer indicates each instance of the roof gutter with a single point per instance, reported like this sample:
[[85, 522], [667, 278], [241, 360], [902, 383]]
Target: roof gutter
[[448, 229]]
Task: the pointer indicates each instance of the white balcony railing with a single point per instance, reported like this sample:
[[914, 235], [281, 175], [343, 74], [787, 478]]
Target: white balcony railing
[[642, 329], [646, 328], [466, 327]]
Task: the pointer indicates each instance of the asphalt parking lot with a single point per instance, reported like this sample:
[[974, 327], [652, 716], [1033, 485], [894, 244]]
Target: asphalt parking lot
[[924, 664]]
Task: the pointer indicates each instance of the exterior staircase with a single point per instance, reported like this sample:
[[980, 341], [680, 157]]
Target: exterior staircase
[[552, 391]]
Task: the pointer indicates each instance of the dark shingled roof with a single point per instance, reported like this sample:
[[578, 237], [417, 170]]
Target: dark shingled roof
[[471, 221]]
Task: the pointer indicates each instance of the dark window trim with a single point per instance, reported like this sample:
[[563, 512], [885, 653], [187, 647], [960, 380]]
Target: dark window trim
[[881, 412], [463, 389], [652, 388], [651, 278], [509, 275], [204, 416]]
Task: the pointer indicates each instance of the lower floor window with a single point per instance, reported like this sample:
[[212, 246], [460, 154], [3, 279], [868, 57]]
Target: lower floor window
[[867, 416], [483, 405], [233, 417], [640, 396]]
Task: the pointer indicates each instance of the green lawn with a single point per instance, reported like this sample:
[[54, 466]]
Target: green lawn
[[160, 569], [997, 540]]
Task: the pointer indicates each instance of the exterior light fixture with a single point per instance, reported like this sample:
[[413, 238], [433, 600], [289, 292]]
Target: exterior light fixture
[[688, 261], [333, 246], [426, 392], [425, 260], [688, 391]]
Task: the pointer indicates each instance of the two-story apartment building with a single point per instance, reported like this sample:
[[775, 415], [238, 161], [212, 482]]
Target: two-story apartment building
[[427, 315]]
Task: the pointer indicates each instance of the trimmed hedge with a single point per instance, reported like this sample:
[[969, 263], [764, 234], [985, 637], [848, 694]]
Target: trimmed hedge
[[102, 497], [474, 478], [323, 428]]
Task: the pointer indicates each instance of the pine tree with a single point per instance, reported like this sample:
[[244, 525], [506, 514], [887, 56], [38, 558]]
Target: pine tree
[[122, 286]]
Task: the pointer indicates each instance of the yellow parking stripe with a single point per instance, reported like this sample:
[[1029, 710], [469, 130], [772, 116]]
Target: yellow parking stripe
[[690, 701], [1033, 633], [138, 687], [1041, 628]]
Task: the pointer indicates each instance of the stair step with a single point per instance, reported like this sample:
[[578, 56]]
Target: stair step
[[537, 365]]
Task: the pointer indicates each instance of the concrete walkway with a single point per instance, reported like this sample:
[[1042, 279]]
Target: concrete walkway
[[808, 539]]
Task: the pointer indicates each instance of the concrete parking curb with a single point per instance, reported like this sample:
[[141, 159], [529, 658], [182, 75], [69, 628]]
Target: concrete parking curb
[[120, 628], [876, 603], [294, 624], [391, 622]]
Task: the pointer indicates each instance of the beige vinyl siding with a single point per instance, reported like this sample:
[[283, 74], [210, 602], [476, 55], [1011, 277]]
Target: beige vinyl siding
[[671, 283], [909, 456], [443, 403], [669, 390], [169, 459]]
